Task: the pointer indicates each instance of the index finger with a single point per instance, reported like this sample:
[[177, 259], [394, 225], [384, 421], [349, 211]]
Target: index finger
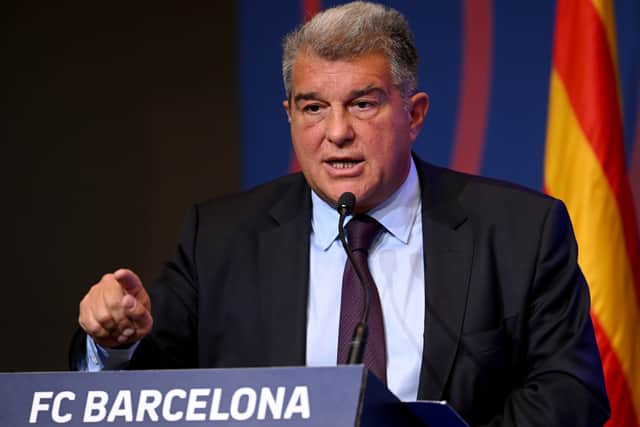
[[129, 281]]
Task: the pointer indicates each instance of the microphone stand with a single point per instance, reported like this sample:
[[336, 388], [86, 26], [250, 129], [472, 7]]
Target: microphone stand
[[346, 205]]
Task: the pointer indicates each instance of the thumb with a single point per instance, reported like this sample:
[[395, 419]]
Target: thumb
[[129, 281]]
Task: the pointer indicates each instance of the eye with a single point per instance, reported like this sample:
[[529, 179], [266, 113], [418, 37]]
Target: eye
[[363, 105], [312, 108], [364, 108]]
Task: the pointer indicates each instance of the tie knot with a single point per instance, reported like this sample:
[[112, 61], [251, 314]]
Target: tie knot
[[362, 231]]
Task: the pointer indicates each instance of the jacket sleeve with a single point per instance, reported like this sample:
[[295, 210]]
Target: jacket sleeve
[[564, 383]]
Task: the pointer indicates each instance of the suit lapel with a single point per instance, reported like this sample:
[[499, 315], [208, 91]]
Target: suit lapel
[[448, 253], [283, 276]]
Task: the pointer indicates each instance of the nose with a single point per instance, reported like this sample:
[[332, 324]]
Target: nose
[[338, 127]]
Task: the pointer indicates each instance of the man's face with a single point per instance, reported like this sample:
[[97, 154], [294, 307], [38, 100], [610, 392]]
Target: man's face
[[350, 128]]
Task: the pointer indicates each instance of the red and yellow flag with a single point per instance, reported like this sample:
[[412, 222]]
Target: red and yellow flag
[[585, 167]]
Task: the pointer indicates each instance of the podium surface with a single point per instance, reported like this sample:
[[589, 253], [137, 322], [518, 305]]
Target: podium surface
[[331, 396]]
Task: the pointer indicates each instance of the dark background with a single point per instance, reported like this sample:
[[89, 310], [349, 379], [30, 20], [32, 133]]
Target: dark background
[[117, 118]]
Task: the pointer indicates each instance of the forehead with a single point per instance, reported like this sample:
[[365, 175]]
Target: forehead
[[314, 74]]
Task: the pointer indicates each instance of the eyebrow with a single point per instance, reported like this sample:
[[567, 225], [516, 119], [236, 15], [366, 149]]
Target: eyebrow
[[314, 96], [309, 96], [367, 91]]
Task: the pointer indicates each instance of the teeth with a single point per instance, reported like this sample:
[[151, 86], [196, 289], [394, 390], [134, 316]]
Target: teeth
[[343, 165]]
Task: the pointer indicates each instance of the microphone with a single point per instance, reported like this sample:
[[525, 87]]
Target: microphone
[[346, 205]]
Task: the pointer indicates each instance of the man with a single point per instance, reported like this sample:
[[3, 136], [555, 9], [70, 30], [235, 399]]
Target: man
[[482, 302]]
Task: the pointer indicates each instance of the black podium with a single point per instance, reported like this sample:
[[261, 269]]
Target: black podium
[[332, 396]]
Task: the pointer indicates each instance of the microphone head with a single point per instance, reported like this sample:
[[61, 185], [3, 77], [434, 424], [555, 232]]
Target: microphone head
[[346, 203]]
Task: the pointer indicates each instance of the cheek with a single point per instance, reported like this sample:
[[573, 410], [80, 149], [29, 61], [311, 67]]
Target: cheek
[[385, 143], [306, 141], [305, 130], [389, 149]]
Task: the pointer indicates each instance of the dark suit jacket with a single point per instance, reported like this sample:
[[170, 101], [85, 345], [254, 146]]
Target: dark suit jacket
[[508, 338]]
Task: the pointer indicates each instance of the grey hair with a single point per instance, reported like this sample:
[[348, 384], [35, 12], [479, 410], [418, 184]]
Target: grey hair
[[351, 30]]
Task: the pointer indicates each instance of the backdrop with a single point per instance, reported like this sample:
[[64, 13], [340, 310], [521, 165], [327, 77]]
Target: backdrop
[[116, 118]]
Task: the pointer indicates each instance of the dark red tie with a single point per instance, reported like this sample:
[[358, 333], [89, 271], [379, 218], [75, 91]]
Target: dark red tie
[[361, 232]]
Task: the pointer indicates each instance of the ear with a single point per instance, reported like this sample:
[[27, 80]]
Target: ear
[[418, 107], [285, 104]]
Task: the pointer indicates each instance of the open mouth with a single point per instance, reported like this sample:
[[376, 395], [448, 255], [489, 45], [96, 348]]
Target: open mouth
[[343, 164]]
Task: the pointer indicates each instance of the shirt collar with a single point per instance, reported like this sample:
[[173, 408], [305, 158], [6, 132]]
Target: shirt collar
[[397, 214]]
